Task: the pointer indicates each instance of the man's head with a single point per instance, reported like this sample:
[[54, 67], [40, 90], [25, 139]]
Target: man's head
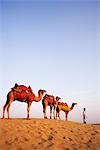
[[84, 109]]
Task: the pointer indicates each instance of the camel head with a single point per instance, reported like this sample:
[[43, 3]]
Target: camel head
[[40, 95], [58, 98], [56, 101], [41, 92], [73, 104]]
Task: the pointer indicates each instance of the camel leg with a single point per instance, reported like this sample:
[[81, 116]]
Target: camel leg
[[66, 114], [50, 112], [8, 107], [28, 109], [10, 99], [54, 113], [59, 115], [3, 116], [44, 111]]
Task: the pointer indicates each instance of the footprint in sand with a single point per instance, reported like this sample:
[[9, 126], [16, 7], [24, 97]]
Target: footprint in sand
[[54, 131], [70, 139], [50, 145], [26, 139], [50, 137], [8, 142]]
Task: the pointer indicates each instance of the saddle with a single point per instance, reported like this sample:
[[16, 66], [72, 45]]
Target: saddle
[[20, 88], [62, 103], [50, 96], [23, 92]]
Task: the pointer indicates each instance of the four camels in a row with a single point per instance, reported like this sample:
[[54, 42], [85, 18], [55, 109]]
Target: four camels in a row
[[25, 94]]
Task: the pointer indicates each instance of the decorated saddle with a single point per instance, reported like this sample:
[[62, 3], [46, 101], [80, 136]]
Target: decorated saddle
[[62, 103], [20, 88], [49, 96], [23, 92]]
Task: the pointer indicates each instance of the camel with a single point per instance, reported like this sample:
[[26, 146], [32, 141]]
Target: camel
[[23, 94], [64, 107], [50, 100]]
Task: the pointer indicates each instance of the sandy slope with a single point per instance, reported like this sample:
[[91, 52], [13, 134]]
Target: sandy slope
[[41, 134]]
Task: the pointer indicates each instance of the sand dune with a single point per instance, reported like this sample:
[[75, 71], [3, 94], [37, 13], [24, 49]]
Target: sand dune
[[41, 134]]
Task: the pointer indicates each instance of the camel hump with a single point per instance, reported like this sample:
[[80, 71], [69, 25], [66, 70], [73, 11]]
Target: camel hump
[[58, 98], [65, 104]]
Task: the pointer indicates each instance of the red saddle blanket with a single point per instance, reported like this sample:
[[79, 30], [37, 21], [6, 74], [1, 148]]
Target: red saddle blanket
[[49, 96], [20, 88], [62, 103], [23, 92], [24, 95]]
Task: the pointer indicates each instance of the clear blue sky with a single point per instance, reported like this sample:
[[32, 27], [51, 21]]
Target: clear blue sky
[[55, 46]]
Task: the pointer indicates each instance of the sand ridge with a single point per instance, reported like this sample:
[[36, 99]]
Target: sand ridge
[[48, 134]]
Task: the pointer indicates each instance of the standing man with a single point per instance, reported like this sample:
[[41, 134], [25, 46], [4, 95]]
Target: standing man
[[84, 115]]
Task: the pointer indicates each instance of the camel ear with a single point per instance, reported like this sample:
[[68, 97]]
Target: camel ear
[[58, 98], [43, 91]]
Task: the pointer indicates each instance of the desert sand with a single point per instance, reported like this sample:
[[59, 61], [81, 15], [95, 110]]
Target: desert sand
[[46, 134]]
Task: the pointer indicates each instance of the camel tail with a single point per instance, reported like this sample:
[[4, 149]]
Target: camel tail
[[57, 109], [7, 101], [43, 102], [43, 106]]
